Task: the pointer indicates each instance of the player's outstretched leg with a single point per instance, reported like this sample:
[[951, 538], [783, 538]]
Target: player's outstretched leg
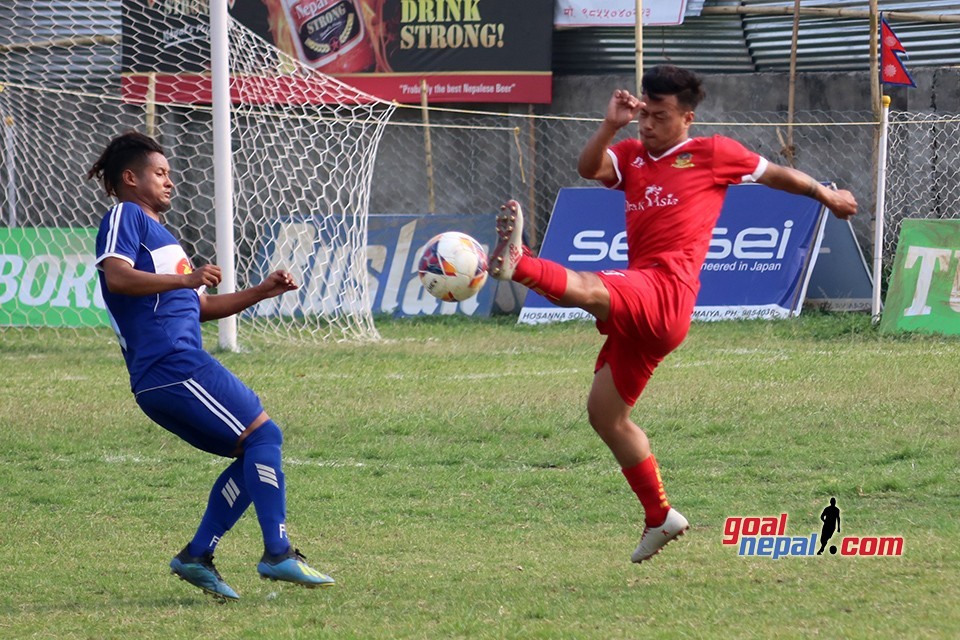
[[292, 567], [656, 538], [509, 249], [201, 572]]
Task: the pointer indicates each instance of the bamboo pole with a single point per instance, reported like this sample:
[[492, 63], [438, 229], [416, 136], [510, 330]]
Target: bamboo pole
[[788, 150], [829, 13], [83, 41], [150, 105], [427, 146], [874, 63], [10, 158], [638, 51], [531, 176]]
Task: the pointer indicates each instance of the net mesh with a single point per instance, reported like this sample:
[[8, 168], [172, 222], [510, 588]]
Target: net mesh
[[922, 172], [303, 154]]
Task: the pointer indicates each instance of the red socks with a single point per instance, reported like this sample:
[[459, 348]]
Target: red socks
[[645, 481], [547, 278]]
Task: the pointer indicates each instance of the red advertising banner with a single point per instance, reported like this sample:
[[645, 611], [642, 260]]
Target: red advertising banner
[[465, 50]]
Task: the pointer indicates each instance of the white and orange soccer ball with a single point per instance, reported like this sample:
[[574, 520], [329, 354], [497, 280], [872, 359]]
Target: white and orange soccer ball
[[453, 266]]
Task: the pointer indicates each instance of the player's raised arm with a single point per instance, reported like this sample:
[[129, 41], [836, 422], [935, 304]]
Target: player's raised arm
[[214, 307], [594, 163], [840, 201]]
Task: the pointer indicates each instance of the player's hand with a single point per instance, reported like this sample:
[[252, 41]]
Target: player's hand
[[278, 282], [842, 203], [206, 276], [623, 108]]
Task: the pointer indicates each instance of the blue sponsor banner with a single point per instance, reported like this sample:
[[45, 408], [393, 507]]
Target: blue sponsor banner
[[317, 257], [761, 254]]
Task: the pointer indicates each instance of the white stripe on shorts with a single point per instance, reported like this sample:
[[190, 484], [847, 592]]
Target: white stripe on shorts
[[215, 407]]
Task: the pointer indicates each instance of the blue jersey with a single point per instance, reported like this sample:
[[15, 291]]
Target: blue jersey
[[159, 334]]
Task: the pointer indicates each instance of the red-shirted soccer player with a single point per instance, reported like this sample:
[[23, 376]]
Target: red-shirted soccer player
[[674, 187]]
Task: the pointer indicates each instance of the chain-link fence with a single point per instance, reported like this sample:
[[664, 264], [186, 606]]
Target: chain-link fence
[[922, 173], [479, 160], [471, 162]]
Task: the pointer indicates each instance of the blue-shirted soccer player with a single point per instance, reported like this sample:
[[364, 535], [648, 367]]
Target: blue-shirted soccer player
[[156, 302]]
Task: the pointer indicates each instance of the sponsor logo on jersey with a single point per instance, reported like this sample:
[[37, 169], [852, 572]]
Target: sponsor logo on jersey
[[638, 162], [170, 259], [653, 196]]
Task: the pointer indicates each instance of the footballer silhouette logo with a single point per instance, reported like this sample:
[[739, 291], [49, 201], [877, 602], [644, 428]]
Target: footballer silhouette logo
[[830, 517]]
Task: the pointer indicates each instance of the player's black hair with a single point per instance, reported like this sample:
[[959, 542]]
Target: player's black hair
[[668, 80], [129, 150]]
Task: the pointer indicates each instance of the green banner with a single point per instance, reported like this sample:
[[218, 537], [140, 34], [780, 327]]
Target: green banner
[[924, 291], [47, 279]]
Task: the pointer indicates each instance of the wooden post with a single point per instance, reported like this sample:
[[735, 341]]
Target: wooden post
[[874, 62], [10, 159], [428, 145], [788, 148], [638, 52], [531, 177], [150, 108], [638, 36]]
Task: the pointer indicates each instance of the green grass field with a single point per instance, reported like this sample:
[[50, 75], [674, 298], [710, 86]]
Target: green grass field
[[448, 479]]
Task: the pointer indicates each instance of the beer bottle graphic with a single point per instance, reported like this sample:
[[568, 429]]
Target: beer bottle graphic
[[329, 35]]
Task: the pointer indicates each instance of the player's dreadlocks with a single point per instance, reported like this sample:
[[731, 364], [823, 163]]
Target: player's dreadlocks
[[668, 80], [127, 151]]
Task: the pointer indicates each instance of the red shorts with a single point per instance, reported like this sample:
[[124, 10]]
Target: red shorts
[[650, 312]]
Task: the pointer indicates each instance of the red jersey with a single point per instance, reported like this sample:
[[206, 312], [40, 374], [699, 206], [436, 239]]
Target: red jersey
[[674, 200]]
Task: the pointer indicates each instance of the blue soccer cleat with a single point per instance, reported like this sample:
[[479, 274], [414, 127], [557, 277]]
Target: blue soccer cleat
[[200, 572], [292, 567]]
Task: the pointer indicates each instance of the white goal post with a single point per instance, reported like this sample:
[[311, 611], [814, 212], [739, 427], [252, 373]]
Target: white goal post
[[301, 145]]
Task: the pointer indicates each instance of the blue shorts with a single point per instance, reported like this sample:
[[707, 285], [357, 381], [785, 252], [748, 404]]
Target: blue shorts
[[208, 410]]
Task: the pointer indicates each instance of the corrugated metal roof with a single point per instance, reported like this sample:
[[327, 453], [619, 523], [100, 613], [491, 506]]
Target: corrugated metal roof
[[33, 21], [835, 44], [747, 43], [711, 43], [714, 43]]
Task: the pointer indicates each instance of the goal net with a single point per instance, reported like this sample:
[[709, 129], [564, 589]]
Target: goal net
[[303, 143]]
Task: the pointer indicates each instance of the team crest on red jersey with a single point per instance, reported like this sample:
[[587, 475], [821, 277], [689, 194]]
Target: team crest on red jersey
[[684, 161]]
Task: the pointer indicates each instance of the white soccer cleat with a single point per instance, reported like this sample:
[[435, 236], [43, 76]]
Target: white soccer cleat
[[656, 538], [509, 250]]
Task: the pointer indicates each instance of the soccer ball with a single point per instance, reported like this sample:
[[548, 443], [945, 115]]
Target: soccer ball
[[453, 266]]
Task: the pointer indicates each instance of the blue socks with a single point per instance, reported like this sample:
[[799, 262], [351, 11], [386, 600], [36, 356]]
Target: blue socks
[[228, 500], [253, 477], [265, 485]]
